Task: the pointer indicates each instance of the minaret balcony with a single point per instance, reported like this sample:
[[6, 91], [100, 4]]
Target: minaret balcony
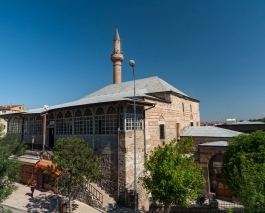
[[116, 57]]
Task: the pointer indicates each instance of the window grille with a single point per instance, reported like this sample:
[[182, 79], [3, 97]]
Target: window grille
[[111, 121], [100, 121], [68, 123], [37, 126], [130, 118], [121, 119], [26, 121], [59, 124], [78, 123], [31, 125], [88, 122], [13, 125]]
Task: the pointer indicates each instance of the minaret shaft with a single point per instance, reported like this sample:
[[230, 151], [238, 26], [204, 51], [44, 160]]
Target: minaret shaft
[[116, 58]]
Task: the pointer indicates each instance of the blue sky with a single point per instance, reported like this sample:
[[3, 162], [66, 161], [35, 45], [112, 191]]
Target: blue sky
[[53, 52]]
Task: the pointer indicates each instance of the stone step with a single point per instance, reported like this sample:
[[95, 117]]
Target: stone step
[[108, 202]]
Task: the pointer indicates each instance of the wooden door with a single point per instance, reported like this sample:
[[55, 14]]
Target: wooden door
[[222, 190]]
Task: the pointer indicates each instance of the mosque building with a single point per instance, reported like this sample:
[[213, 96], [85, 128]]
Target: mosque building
[[105, 119]]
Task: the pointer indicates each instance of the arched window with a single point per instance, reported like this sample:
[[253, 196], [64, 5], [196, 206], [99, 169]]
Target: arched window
[[88, 122], [121, 118], [50, 120], [37, 126], [26, 125], [51, 117], [13, 125], [100, 122], [78, 123], [59, 124], [130, 118], [31, 125], [68, 123], [139, 117], [111, 121], [183, 109]]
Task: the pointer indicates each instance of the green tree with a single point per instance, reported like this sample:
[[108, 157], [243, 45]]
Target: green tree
[[244, 170], [9, 165], [77, 163], [171, 174]]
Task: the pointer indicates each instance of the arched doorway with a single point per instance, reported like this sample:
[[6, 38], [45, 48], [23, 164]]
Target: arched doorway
[[217, 185]]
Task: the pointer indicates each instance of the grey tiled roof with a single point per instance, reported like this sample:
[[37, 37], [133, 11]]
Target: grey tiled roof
[[119, 92], [143, 86], [216, 143], [208, 131]]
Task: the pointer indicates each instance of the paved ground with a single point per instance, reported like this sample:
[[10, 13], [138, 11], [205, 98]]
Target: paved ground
[[43, 201]]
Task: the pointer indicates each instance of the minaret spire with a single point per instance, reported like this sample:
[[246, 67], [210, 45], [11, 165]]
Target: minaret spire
[[116, 58]]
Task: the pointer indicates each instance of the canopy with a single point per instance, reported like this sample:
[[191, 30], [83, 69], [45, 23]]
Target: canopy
[[46, 165]]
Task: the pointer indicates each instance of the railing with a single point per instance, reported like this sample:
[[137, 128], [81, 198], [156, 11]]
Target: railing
[[94, 193], [46, 147], [106, 186]]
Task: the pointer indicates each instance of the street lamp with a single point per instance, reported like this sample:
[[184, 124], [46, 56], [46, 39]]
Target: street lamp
[[132, 64]]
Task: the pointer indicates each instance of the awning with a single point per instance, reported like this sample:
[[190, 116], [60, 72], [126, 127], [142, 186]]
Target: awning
[[28, 161], [46, 165]]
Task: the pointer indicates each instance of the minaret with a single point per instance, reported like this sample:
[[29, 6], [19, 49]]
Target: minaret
[[116, 58]]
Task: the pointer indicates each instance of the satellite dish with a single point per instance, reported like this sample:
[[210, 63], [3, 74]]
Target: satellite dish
[[46, 107]]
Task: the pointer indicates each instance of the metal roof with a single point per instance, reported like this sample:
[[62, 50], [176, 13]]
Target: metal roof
[[119, 92], [208, 131], [116, 36], [142, 86], [216, 143], [247, 123]]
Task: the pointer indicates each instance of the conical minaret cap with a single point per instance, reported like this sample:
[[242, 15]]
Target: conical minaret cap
[[116, 36]]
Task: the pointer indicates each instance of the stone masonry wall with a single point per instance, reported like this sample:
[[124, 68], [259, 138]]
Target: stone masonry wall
[[171, 115], [126, 163]]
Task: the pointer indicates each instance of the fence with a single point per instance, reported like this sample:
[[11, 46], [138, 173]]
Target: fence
[[223, 207], [213, 206]]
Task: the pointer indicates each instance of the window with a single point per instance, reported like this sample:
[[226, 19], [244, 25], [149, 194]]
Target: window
[[37, 126], [78, 123], [191, 123], [50, 119], [130, 118], [26, 122], [121, 119], [162, 131], [190, 108], [68, 123], [13, 125], [31, 125], [111, 121], [100, 121], [183, 107], [88, 122], [59, 124]]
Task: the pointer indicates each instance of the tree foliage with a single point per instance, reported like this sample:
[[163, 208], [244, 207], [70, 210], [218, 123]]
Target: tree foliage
[[244, 170], [9, 165], [171, 174], [77, 163]]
